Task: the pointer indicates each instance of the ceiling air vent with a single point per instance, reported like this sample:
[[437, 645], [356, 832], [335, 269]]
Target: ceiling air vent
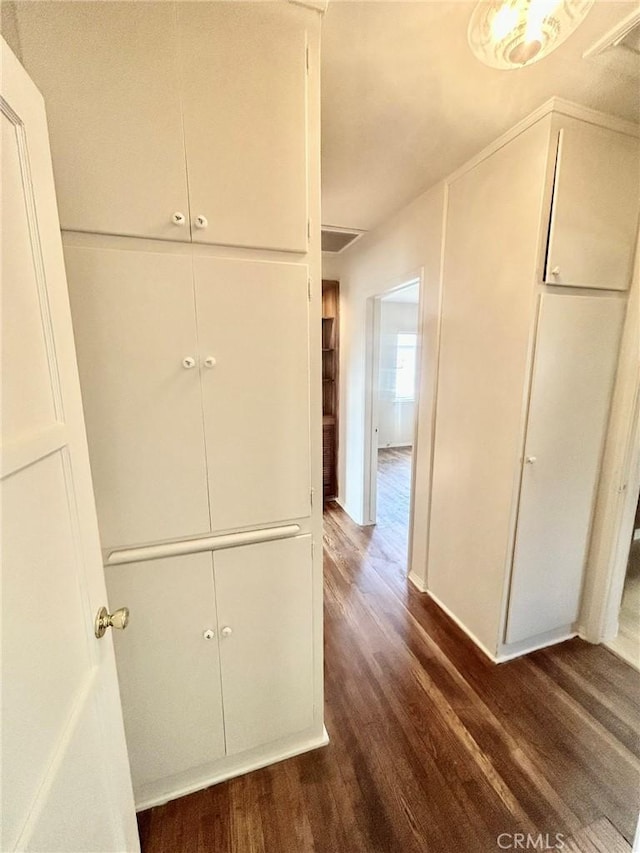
[[334, 240], [619, 49]]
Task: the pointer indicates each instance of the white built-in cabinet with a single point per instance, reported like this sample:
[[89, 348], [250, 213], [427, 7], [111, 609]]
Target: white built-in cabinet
[[218, 660], [185, 141], [253, 336], [539, 240], [594, 209], [245, 132], [196, 383], [574, 364], [195, 112]]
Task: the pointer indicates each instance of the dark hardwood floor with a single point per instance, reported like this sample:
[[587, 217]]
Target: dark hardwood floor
[[394, 494], [433, 748]]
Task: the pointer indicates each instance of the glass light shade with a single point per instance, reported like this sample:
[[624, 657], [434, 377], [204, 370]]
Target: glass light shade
[[513, 33]]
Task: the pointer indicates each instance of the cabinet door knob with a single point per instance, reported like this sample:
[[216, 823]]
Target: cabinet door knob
[[530, 460], [210, 361], [201, 221], [188, 362], [178, 218], [226, 631], [555, 271], [209, 634]]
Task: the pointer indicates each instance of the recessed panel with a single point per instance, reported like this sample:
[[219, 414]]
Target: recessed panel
[[24, 355], [39, 577]]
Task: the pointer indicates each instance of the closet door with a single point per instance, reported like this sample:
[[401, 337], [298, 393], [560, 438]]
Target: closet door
[[265, 618], [134, 324], [244, 92], [594, 215], [254, 345], [109, 76], [168, 666], [575, 361]]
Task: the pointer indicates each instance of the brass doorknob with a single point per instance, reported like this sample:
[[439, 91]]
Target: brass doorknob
[[118, 619]]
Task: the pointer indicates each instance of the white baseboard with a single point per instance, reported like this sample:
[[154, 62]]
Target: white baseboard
[[464, 628], [509, 651], [158, 793], [417, 582]]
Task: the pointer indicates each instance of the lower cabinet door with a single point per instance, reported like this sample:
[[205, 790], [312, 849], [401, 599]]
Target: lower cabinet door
[[265, 617], [575, 361], [168, 665]]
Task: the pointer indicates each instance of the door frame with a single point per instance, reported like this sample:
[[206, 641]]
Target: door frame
[[626, 510], [372, 371], [618, 488]]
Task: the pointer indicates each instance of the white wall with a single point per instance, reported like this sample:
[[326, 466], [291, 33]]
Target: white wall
[[396, 420], [331, 266], [394, 253]]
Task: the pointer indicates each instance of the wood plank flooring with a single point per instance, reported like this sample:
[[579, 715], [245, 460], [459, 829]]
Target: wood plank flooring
[[432, 748], [394, 495]]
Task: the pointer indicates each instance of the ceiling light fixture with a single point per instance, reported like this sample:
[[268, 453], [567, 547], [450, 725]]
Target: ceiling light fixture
[[513, 33]]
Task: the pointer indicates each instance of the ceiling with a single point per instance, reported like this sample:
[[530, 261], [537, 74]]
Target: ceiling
[[405, 102]]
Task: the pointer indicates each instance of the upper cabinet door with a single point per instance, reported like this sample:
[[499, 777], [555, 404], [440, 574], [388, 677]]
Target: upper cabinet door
[[254, 345], [594, 213], [135, 330], [244, 93], [109, 76]]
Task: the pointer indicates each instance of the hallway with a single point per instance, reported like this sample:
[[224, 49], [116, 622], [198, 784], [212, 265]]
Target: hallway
[[432, 748]]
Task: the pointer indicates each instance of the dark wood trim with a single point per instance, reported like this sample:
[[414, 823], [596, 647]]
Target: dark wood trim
[[330, 389]]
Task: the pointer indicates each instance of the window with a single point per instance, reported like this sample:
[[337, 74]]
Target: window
[[405, 379]]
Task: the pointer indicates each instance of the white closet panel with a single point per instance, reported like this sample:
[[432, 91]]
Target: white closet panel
[[594, 217], [246, 128], [134, 322], [575, 361], [169, 672], [488, 305], [109, 76], [253, 321], [265, 618]]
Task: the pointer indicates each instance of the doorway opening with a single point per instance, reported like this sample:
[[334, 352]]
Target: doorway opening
[[626, 643], [395, 360]]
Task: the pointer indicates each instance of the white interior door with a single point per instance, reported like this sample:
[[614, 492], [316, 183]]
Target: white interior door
[[575, 360], [253, 322], [65, 773], [265, 618], [134, 322]]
